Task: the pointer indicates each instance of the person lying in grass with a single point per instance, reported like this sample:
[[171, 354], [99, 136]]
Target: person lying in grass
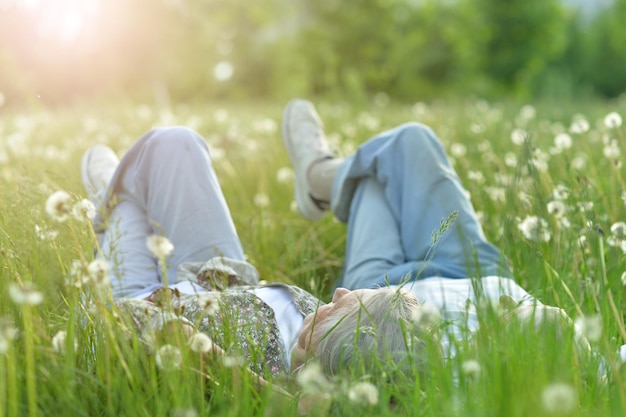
[[411, 225], [176, 263], [415, 251]]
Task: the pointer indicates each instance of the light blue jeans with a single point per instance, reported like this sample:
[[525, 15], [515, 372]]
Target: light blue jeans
[[394, 193], [165, 184]]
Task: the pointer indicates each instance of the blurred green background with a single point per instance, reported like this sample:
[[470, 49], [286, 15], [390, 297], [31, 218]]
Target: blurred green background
[[53, 52]]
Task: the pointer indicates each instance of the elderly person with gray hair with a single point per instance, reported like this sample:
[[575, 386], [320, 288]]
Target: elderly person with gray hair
[[411, 225], [164, 191]]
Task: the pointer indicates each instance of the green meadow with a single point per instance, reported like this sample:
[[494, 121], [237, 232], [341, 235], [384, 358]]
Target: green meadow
[[546, 179]]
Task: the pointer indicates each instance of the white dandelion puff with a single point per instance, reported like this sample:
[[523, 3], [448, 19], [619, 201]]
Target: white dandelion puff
[[59, 205], [510, 159], [619, 229], [556, 208], [476, 176], [25, 294], [560, 192], [579, 125], [559, 398], [426, 315], [200, 343], [168, 358], [589, 326], [78, 275], [285, 175], [98, 271], [160, 246], [8, 333], [611, 150], [231, 361], [84, 210], [209, 301], [534, 228], [45, 234], [184, 412], [528, 112], [223, 71], [579, 162], [458, 150], [471, 368], [563, 141], [311, 378], [59, 342], [364, 393], [261, 200], [612, 120], [518, 136]]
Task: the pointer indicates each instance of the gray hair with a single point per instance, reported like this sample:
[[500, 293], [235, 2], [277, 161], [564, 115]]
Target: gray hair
[[382, 332]]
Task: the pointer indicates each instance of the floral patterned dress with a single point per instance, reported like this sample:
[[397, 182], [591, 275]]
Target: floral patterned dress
[[236, 319]]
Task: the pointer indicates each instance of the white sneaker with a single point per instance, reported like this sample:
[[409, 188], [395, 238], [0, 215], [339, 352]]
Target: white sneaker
[[303, 136], [97, 168]]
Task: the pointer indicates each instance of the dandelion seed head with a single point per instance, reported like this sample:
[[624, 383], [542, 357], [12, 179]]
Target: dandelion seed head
[[78, 274], [618, 229], [476, 176], [285, 175], [84, 210], [471, 368], [200, 343], [184, 412], [540, 160], [518, 136], [579, 125], [8, 333], [231, 361], [611, 150], [45, 234], [579, 162], [510, 159], [168, 358], [563, 141], [458, 150], [534, 228], [589, 326], [209, 301], [560, 192], [98, 271], [364, 393], [223, 71], [559, 398], [612, 120], [261, 200], [426, 315], [528, 112], [312, 379], [159, 246], [556, 208], [25, 294], [59, 206], [59, 342], [497, 194]]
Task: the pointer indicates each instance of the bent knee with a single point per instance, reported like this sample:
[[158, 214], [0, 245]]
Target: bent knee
[[417, 139], [175, 140]]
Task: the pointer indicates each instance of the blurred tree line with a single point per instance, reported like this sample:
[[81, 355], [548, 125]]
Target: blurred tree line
[[200, 49]]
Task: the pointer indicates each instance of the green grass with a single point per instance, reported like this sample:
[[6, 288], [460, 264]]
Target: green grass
[[108, 374]]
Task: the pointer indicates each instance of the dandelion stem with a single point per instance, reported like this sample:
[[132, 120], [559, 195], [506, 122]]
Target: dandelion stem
[[29, 347], [616, 315]]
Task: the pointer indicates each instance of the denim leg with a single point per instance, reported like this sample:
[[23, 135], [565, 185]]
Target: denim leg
[[167, 185], [391, 240]]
